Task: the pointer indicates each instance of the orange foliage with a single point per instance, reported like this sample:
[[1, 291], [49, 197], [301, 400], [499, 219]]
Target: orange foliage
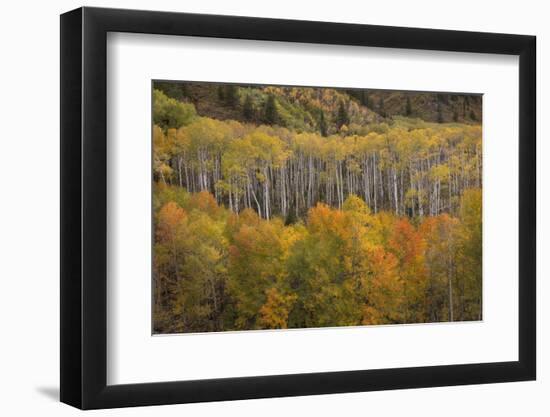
[[382, 288], [274, 313], [323, 219], [205, 202], [171, 218]]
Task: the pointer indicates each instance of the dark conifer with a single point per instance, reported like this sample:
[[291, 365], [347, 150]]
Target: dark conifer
[[248, 108], [271, 116], [323, 124], [342, 118], [231, 95], [439, 113], [408, 108]]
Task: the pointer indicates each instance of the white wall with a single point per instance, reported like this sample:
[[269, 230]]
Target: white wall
[[29, 237]]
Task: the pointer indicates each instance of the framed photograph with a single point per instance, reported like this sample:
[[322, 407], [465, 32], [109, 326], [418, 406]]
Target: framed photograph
[[258, 208]]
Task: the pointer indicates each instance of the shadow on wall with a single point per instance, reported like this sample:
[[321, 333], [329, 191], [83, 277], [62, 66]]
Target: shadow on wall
[[50, 392]]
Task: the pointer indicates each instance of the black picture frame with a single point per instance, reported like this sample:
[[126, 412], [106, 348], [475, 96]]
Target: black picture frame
[[84, 207]]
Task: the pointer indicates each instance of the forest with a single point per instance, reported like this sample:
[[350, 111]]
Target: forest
[[294, 207]]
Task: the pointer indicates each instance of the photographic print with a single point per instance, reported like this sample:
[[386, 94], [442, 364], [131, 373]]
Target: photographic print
[[285, 207]]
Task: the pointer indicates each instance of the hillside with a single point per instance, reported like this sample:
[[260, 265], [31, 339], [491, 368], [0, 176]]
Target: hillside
[[327, 111], [296, 207], [433, 107]]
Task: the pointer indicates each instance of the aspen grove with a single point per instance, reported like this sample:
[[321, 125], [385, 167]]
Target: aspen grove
[[311, 207]]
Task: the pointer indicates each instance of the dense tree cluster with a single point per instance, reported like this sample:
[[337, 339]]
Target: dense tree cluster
[[300, 108], [217, 270], [261, 226], [275, 171]]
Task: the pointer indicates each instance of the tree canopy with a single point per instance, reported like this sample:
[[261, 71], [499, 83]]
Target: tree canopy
[[264, 225]]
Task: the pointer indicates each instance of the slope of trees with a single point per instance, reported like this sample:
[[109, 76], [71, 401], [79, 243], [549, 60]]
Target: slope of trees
[[300, 108], [261, 226], [275, 171], [215, 270]]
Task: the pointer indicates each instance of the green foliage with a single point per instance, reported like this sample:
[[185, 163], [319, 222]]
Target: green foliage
[[381, 107], [439, 113], [231, 95], [170, 113], [323, 128], [271, 115], [365, 98], [408, 107], [469, 266], [411, 167], [218, 271], [178, 91], [299, 108], [221, 92], [317, 217], [248, 108], [342, 117]]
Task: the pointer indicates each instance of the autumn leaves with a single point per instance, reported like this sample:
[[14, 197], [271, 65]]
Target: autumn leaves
[[413, 171], [272, 227], [216, 270]]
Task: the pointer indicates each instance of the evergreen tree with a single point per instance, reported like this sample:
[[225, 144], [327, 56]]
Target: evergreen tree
[[248, 108], [381, 109], [408, 108], [271, 115], [443, 98], [365, 99], [291, 218], [439, 113], [323, 124], [231, 95], [178, 91], [342, 117], [465, 106], [221, 93]]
